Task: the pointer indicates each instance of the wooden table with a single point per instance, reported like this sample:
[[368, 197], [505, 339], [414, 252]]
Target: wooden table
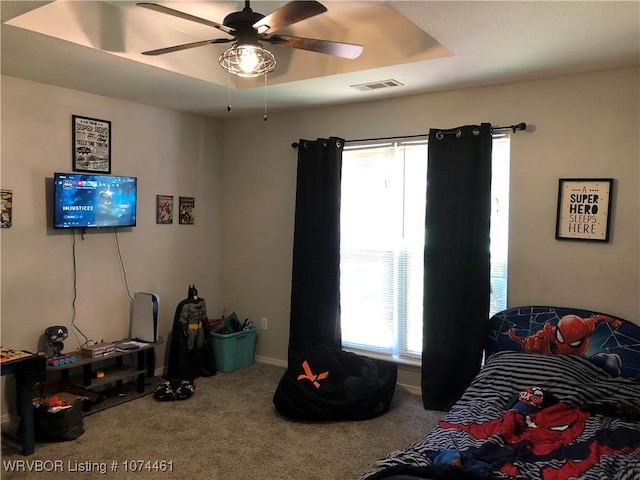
[[27, 370]]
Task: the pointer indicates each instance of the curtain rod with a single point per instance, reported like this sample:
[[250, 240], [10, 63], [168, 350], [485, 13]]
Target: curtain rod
[[513, 128]]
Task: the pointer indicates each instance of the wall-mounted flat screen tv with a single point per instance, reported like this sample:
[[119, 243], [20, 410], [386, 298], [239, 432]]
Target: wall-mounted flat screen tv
[[90, 201]]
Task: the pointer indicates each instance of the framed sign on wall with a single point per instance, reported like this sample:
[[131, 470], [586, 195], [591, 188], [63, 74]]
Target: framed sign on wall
[[584, 209], [91, 145]]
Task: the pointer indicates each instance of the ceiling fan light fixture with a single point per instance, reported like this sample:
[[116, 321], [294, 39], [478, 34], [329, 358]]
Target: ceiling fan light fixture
[[247, 60]]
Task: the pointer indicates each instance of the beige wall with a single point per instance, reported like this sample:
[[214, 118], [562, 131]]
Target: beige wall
[[169, 152], [243, 174], [585, 126]]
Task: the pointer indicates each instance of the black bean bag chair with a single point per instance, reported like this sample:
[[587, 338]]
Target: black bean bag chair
[[330, 384]]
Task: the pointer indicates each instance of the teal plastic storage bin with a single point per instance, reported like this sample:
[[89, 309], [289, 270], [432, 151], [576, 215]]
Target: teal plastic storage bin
[[234, 350]]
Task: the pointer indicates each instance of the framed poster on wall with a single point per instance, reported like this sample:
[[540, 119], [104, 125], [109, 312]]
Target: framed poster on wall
[[6, 208], [91, 144], [164, 209], [187, 207], [584, 209]]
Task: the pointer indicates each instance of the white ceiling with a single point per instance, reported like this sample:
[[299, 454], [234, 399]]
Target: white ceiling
[[428, 46]]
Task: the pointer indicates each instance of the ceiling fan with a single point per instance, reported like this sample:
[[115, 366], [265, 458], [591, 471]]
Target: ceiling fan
[[247, 57]]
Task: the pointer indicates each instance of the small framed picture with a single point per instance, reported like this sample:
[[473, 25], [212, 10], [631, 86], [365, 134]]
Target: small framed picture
[[91, 144], [6, 208], [187, 207], [164, 209], [584, 209]]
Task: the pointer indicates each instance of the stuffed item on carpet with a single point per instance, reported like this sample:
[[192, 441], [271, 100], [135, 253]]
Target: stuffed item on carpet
[[170, 390]]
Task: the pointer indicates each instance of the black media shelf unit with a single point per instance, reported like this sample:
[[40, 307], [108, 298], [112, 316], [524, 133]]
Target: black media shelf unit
[[126, 376]]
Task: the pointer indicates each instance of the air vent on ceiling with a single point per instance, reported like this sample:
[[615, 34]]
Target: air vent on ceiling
[[365, 87]]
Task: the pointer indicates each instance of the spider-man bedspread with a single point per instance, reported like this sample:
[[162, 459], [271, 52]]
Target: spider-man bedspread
[[534, 416]]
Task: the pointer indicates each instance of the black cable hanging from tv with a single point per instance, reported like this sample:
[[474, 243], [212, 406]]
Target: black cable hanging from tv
[[513, 128]]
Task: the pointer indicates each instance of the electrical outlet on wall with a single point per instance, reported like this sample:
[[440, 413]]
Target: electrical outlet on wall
[[265, 323]]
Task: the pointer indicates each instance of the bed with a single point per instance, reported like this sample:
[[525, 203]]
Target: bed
[[558, 398]]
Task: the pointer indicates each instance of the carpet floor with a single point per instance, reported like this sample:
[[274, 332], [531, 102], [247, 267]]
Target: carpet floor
[[229, 430]]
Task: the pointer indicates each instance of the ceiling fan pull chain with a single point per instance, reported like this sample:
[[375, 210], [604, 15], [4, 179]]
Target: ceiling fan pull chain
[[265, 97], [229, 92]]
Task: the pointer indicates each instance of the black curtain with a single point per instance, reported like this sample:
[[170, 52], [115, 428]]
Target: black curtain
[[315, 288], [457, 267]]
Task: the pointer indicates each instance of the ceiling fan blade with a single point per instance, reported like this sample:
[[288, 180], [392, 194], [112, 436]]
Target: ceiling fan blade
[[177, 48], [170, 11], [339, 49], [288, 14]]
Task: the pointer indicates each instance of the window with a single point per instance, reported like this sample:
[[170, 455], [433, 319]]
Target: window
[[382, 244]]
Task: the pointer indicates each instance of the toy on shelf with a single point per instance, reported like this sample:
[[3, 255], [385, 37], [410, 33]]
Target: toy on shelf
[[54, 336], [61, 360]]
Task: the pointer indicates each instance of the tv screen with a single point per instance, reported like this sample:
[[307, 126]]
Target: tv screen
[[86, 201]]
